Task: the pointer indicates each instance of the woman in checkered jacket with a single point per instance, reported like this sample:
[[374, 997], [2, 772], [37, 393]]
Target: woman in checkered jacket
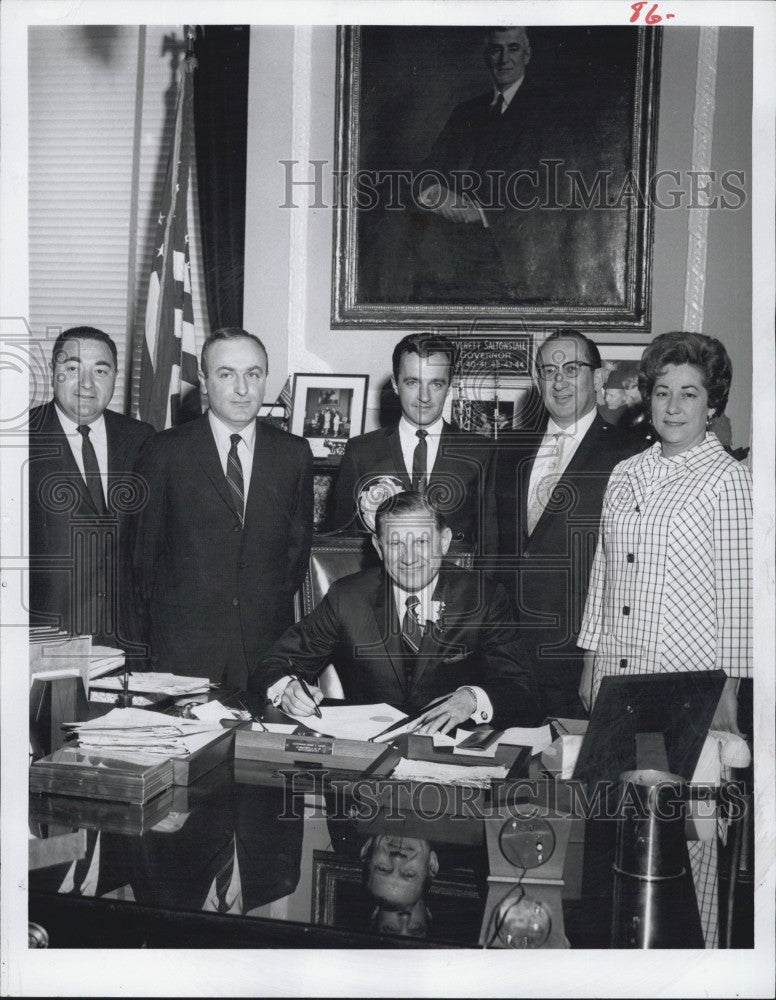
[[671, 584]]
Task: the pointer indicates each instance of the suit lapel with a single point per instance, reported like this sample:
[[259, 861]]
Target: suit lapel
[[579, 460], [394, 446], [53, 429], [263, 461], [388, 625], [208, 457]]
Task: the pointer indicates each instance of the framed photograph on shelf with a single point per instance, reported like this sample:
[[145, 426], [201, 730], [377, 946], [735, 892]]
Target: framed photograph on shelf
[[328, 410], [619, 400], [450, 216]]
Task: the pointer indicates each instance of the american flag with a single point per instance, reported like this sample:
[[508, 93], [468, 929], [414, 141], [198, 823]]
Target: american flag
[[168, 369]]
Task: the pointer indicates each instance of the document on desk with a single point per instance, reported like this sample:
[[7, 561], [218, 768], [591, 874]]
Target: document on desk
[[479, 776], [175, 685], [352, 722], [537, 738], [129, 731]]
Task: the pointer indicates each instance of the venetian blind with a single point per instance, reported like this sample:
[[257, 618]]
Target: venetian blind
[[101, 101]]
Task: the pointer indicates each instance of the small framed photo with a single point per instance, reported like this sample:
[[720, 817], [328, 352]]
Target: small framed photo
[[619, 400], [328, 410]]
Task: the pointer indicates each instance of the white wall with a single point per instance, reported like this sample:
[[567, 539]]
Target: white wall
[[288, 251]]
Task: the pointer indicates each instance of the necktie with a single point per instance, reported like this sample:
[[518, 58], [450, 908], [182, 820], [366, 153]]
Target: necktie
[[411, 633], [234, 477], [497, 108], [540, 497], [91, 470], [419, 461]]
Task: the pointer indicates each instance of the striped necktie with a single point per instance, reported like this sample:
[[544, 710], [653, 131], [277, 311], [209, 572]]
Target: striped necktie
[[234, 476], [420, 461]]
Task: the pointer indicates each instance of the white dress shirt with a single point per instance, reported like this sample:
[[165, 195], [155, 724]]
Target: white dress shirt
[[99, 438], [222, 435], [507, 94], [409, 440], [545, 455], [428, 611]]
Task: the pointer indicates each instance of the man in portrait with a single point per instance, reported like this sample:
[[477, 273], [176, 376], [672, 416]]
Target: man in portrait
[[492, 217]]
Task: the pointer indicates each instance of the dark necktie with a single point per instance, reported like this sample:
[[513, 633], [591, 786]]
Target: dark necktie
[[419, 460], [411, 633], [234, 476], [91, 470], [497, 108]]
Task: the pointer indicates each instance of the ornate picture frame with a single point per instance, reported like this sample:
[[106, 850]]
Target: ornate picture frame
[[563, 228]]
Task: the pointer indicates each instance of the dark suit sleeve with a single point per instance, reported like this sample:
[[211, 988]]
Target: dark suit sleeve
[[148, 531], [344, 499], [507, 680], [304, 649], [301, 527]]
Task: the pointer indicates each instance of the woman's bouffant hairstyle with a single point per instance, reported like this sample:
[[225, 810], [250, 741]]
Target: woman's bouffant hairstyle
[[706, 354]]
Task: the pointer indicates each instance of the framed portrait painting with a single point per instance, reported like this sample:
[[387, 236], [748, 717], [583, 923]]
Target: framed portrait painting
[[496, 177], [327, 410]]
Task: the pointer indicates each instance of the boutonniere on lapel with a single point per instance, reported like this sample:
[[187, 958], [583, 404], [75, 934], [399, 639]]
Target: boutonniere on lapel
[[437, 623]]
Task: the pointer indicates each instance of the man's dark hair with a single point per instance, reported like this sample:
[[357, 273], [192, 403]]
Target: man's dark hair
[[424, 344], [707, 354], [84, 333], [407, 502], [592, 354], [229, 333]]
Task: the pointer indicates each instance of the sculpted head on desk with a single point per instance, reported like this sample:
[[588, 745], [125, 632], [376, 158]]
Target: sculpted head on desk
[[233, 375], [398, 872], [423, 366], [568, 376], [411, 538], [83, 373]]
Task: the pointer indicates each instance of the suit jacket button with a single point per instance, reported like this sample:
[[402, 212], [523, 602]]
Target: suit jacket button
[[483, 715], [242, 565], [237, 527], [235, 601]]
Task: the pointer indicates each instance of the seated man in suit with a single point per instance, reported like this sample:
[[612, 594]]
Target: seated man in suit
[[82, 493], [413, 631], [549, 488], [422, 452]]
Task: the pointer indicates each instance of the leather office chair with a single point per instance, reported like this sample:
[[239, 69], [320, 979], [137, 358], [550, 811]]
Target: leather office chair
[[337, 555]]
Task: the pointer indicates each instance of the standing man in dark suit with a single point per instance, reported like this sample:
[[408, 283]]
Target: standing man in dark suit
[[408, 632], [549, 489], [224, 541], [82, 493], [423, 451]]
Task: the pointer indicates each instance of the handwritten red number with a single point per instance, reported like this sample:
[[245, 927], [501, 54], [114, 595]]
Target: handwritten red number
[[651, 17]]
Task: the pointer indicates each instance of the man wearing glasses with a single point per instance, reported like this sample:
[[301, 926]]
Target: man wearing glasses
[[549, 488]]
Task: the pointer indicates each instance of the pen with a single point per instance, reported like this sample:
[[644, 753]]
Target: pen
[[309, 694]]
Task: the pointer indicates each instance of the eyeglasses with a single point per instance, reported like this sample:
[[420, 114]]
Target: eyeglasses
[[570, 370]]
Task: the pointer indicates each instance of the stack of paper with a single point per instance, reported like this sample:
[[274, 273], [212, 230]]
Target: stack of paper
[[103, 659], [448, 774], [136, 734], [174, 685], [352, 722]]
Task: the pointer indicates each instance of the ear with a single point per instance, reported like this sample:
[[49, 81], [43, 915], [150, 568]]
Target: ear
[[378, 547], [433, 864], [364, 852], [394, 385], [445, 537], [202, 383]]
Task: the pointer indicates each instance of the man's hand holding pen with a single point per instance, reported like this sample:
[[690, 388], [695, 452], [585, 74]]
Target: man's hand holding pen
[[300, 699]]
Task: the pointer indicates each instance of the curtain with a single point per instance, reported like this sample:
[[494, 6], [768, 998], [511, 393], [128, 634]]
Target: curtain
[[220, 130]]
